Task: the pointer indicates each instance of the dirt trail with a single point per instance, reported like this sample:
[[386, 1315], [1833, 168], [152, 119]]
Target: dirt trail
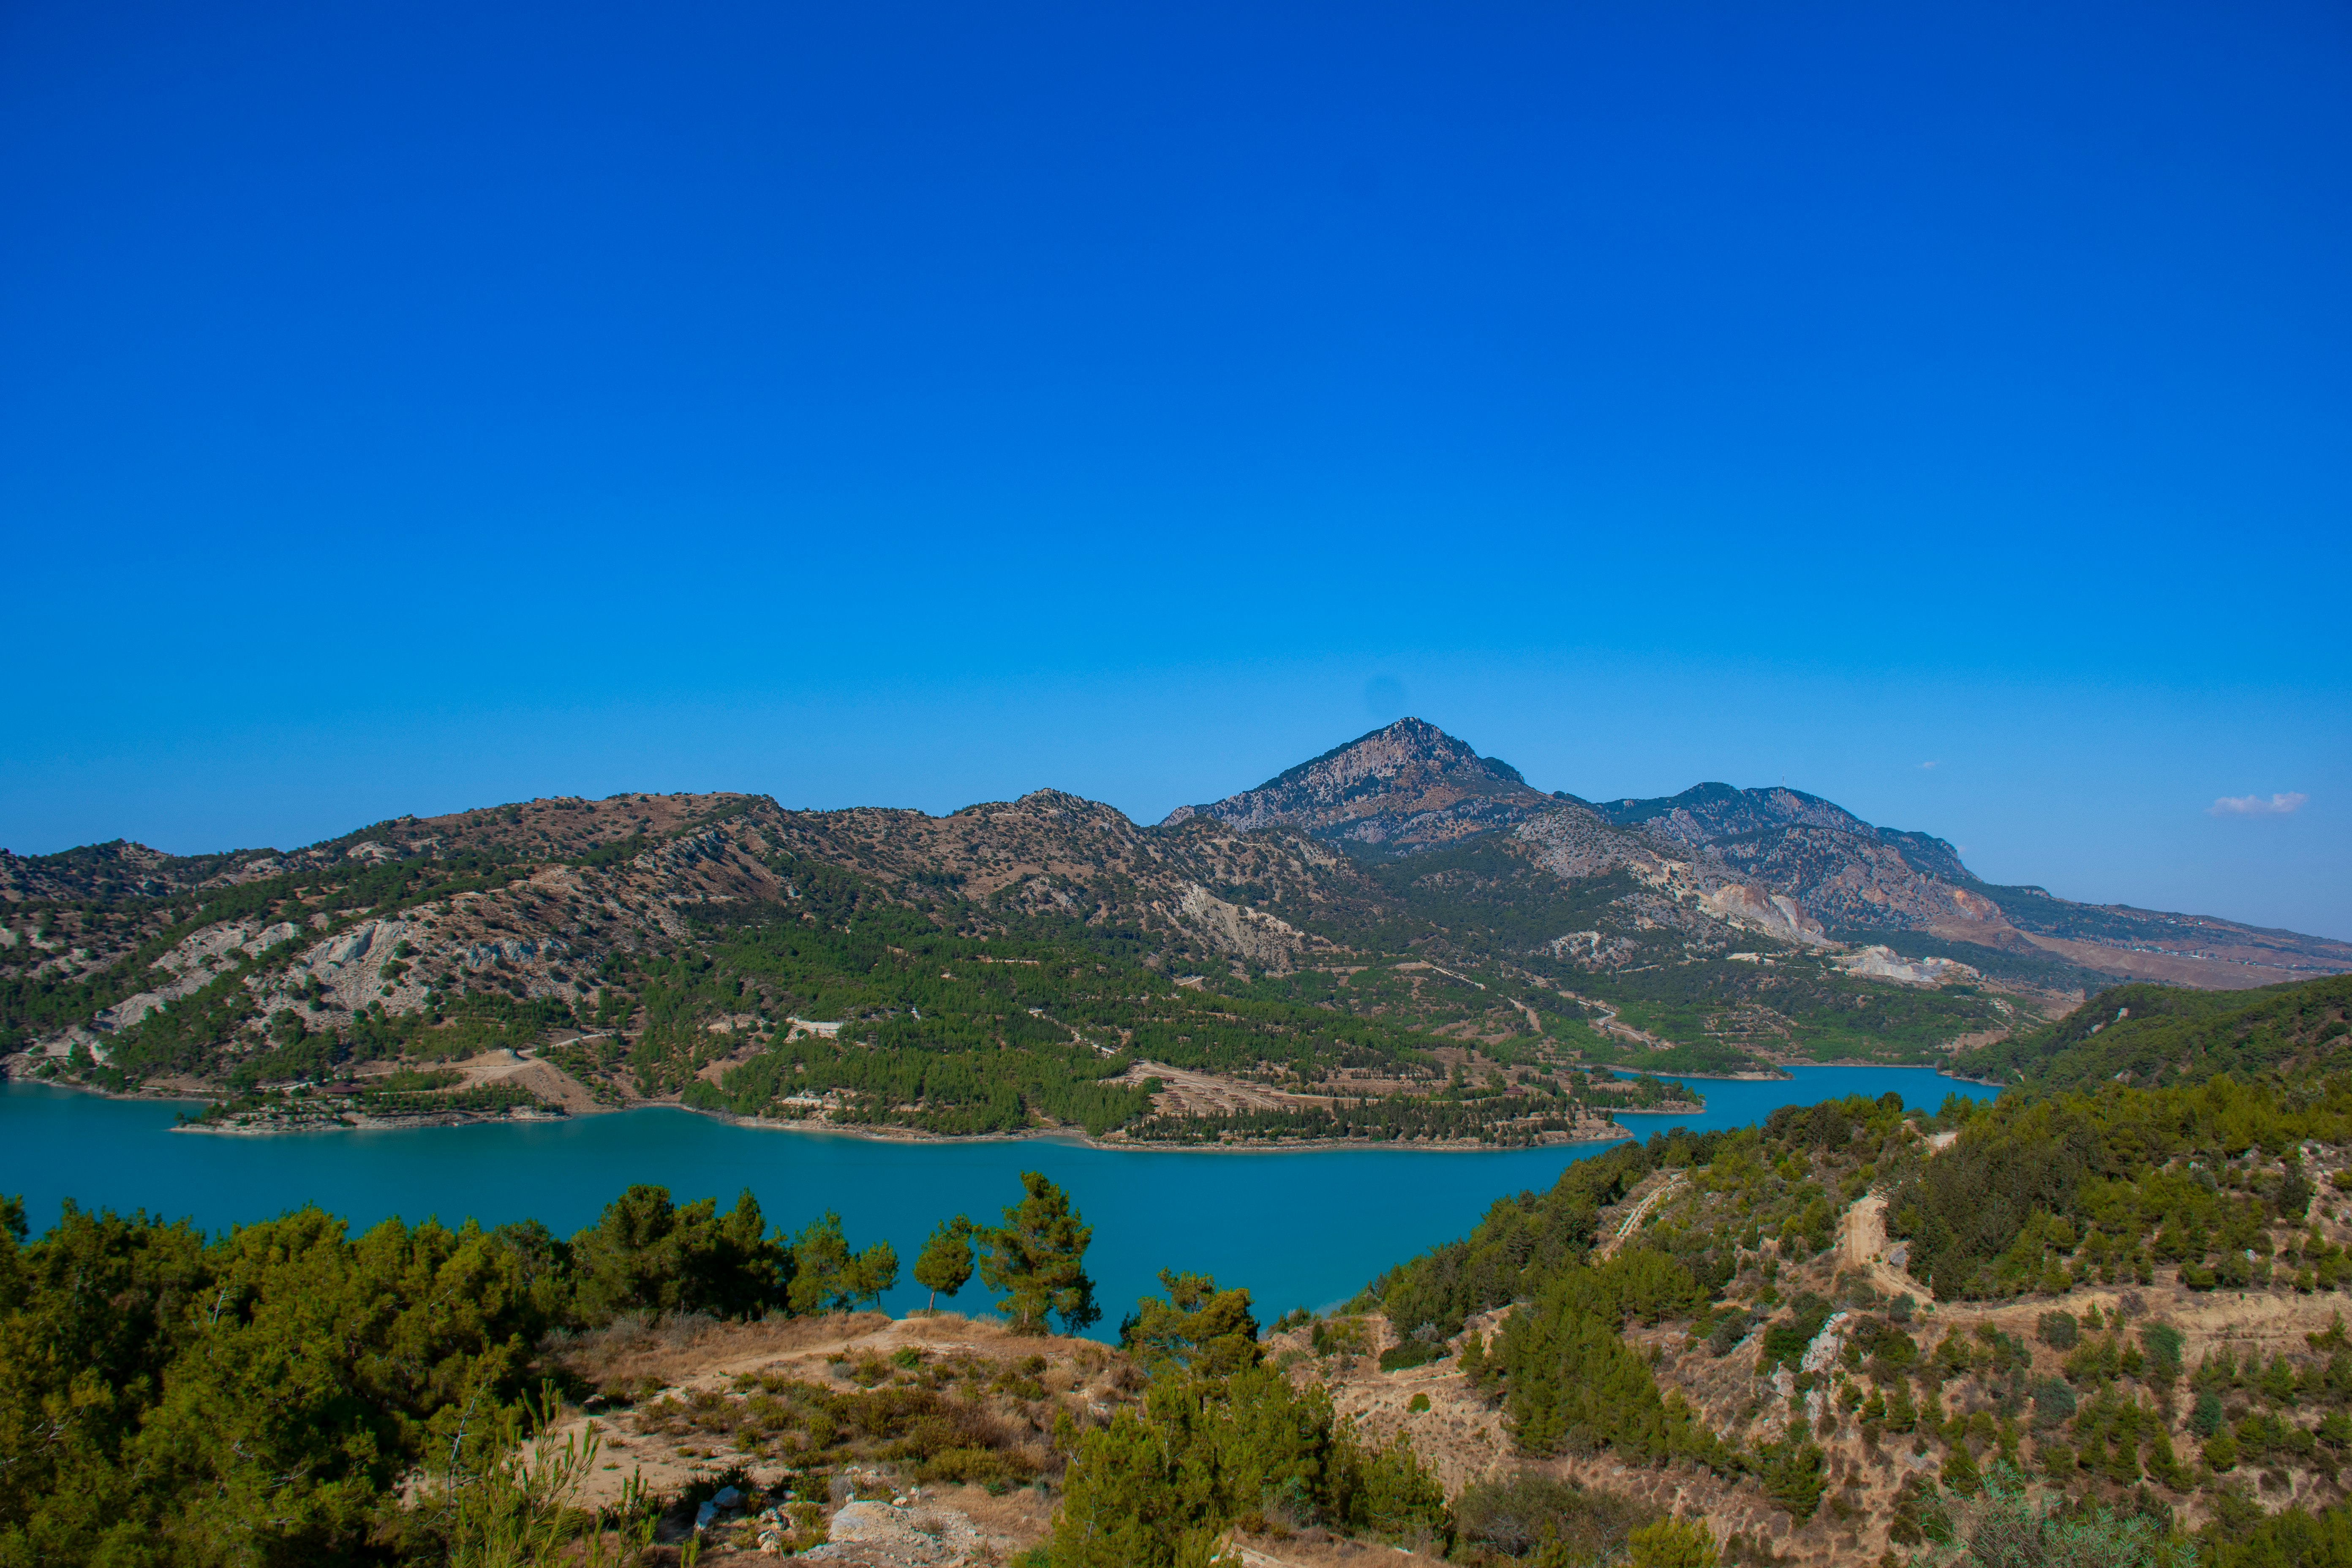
[[1863, 1245], [1633, 1221]]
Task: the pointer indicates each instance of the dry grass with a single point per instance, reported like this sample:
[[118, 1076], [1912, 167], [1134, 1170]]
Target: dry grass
[[940, 1401]]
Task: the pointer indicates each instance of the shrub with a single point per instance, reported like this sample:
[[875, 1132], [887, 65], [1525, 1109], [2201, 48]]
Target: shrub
[[991, 1468], [1412, 1354], [1517, 1515], [2058, 1331], [2002, 1527], [1673, 1543], [2053, 1402], [1155, 1488]]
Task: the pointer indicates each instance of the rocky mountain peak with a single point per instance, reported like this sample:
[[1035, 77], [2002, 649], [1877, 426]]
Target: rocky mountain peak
[[1406, 786]]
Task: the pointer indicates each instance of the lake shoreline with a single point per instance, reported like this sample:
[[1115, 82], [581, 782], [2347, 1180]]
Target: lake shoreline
[[873, 1133], [1327, 1217], [915, 1136]]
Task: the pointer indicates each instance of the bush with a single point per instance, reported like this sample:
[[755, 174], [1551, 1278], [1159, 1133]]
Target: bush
[[2002, 1527], [1517, 1515], [1673, 1543], [2291, 1536], [1412, 1354], [1154, 1488], [990, 1468], [2058, 1331]]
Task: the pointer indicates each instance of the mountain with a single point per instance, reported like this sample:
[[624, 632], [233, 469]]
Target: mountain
[[1407, 786], [1869, 882], [1400, 923], [1843, 871], [1781, 862]]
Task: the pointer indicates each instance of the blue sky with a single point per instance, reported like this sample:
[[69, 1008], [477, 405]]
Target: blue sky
[[411, 407]]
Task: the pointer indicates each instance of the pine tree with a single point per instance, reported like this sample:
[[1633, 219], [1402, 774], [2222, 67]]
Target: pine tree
[[1037, 1259], [1195, 1326], [828, 1277], [945, 1263]]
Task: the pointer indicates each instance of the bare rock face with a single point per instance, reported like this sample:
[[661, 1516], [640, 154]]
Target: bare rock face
[[1774, 914], [880, 1533], [1885, 964], [1406, 786], [1839, 869]]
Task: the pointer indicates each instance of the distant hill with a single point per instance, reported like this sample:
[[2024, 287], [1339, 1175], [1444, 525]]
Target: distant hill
[[2158, 1035], [1399, 923], [1410, 788]]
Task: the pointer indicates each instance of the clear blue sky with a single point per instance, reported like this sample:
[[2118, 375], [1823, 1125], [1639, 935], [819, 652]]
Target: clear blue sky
[[406, 407]]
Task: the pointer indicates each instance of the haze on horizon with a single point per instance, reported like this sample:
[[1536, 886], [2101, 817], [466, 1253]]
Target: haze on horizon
[[410, 408]]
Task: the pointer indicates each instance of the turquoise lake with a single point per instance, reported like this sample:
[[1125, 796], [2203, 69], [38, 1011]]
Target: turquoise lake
[[1306, 1229]]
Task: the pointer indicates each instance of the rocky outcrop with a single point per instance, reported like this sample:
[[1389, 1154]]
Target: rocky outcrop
[[1773, 914], [1877, 963]]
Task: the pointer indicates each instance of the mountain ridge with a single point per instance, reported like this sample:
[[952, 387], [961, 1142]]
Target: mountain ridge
[[1842, 872], [1365, 928]]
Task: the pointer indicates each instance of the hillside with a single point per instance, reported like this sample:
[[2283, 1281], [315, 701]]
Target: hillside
[[1400, 939], [2155, 1035], [1823, 1336]]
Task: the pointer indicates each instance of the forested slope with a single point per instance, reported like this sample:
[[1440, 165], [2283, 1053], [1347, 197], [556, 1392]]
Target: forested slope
[[2156, 1034], [2129, 1298]]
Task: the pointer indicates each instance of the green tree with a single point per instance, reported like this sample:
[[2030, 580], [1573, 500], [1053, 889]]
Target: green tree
[[2292, 1536], [91, 1316], [1038, 1260], [945, 1263], [252, 1401], [646, 1254], [1155, 1488], [1194, 1328], [1791, 1473], [828, 1277]]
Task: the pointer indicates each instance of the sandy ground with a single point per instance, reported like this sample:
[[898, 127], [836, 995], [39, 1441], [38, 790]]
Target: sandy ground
[[545, 1079], [1862, 1243]]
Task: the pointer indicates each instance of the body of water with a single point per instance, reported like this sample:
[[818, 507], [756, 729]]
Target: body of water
[[1305, 1227]]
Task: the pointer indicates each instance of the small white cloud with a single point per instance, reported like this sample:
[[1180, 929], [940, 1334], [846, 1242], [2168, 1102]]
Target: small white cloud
[[2255, 805], [1925, 765]]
